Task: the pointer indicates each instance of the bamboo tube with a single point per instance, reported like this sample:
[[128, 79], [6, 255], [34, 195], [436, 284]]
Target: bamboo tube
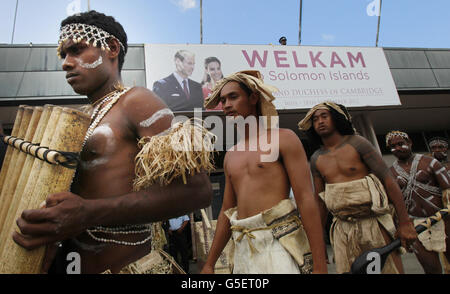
[[205, 218], [4, 200], [26, 170], [16, 166], [193, 238], [68, 136], [10, 150], [33, 178]]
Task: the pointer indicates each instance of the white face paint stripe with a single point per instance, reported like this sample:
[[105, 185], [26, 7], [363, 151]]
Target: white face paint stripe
[[156, 116], [90, 65]]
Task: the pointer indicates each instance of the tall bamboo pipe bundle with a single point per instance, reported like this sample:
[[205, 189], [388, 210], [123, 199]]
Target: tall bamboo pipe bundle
[[24, 175], [15, 166], [10, 150], [67, 137]]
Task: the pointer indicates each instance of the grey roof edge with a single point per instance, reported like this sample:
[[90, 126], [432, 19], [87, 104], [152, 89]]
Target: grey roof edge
[[414, 49]]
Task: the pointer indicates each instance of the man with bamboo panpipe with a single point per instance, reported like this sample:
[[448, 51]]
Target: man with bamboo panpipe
[[354, 184], [267, 233], [120, 187], [425, 185]]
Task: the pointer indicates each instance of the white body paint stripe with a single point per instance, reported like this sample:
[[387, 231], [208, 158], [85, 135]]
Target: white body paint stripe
[[156, 116]]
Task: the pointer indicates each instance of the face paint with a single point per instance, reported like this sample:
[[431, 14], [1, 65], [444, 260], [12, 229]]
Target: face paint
[[156, 116], [392, 150], [439, 154], [90, 65]]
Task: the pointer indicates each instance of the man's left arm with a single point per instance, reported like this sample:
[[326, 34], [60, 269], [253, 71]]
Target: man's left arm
[[377, 166], [296, 164], [442, 177]]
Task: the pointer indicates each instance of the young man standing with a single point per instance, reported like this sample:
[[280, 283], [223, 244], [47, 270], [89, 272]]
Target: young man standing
[[256, 212], [106, 219], [425, 184], [351, 180]]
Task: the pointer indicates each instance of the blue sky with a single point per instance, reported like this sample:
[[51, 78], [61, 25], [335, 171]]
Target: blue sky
[[404, 23]]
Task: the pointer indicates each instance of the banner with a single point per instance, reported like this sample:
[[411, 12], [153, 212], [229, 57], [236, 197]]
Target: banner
[[304, 75]]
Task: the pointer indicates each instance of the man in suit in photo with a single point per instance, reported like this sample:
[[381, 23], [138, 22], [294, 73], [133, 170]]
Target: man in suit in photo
[[178, 91]]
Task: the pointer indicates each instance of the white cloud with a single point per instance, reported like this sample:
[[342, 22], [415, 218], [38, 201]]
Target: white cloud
[[185, 4], [328, 38]]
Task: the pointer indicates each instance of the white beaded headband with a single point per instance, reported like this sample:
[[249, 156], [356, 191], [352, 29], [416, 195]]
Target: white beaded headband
[[438, 141], [90, 33], [393, 134]]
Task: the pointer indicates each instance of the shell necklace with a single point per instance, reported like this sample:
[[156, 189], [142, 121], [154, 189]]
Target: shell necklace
[[100, 111]]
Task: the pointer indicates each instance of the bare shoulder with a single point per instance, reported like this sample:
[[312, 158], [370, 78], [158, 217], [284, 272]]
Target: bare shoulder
[[431, 162], [142, 99], [357, 140], [288, 138], [141, 108], [428, 159], [361, 144]]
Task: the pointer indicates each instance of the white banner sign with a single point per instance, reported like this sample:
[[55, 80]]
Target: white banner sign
[[304, 75]]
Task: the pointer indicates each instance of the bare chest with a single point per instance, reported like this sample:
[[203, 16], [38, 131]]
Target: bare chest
[[243, 163], [406, 173], [344, 162], [107, 141]]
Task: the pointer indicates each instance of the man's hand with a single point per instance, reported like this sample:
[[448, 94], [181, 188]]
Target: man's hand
[[408, 235], [207, 269], [64, 216]]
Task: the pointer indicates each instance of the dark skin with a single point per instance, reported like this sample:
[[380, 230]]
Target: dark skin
[[102, 188], [429, 172], [254, 185], [439, 151], [339, 161]]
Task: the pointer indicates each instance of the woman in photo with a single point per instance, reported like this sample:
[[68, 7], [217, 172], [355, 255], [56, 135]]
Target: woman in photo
[[213, 74]]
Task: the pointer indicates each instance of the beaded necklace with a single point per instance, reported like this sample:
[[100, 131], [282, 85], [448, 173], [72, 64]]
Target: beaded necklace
[[124, 230], [100, 111]]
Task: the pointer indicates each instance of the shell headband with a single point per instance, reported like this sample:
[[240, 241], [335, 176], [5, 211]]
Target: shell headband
[[90, 33], [438, 141], [393, 134]]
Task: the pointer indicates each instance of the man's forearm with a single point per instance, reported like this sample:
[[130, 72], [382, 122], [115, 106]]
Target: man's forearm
[[221, 237], [312, 223], [154, 204]]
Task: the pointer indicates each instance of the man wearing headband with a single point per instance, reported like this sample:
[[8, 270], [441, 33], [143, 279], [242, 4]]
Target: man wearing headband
[[425, 185], [439, 149], [264, 224], [351, 181], [107, 219]]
